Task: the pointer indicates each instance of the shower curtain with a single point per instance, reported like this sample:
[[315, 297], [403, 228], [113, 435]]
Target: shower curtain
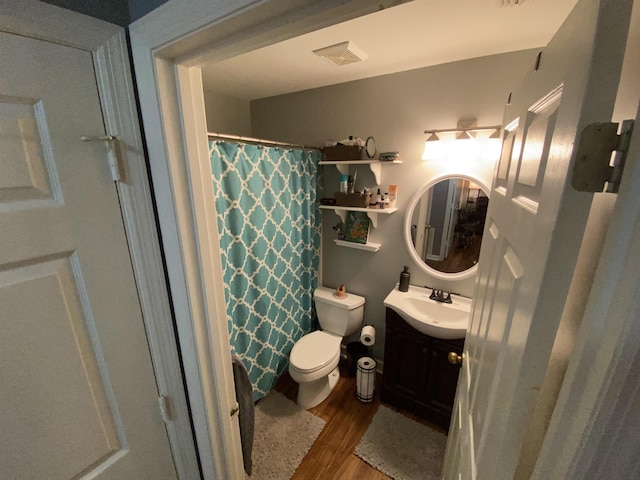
[[269, 229]]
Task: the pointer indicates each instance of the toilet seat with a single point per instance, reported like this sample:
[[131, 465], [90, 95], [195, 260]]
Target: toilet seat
[[315, 351]]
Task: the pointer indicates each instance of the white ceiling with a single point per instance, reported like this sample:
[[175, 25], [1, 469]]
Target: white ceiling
[[412, 35]]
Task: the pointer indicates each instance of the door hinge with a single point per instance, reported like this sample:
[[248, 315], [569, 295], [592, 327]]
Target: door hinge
[[600, 157], [165, 408], [113, 149]]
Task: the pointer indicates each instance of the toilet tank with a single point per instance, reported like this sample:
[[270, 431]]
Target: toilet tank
[[340, 316]]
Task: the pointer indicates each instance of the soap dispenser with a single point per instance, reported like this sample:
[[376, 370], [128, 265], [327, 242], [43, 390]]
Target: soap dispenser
[[405, 276]]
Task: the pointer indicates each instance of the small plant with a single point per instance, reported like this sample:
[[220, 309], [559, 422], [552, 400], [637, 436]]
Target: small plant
[[339, 229]]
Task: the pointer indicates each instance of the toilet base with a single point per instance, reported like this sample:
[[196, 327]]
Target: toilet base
[[314, 393]]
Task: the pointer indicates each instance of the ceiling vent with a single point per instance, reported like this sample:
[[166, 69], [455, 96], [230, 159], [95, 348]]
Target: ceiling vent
[[342, 53]]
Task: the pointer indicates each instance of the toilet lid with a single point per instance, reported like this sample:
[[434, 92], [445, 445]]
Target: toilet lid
[[314, 351]]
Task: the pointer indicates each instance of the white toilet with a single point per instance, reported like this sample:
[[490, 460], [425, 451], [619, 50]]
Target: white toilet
[[313, 362]]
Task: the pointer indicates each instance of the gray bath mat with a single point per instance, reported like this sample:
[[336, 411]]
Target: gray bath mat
[[402, 448], [284, 433]]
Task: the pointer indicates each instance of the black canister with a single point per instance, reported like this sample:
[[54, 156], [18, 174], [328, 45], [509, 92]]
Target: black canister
[[405, 276]]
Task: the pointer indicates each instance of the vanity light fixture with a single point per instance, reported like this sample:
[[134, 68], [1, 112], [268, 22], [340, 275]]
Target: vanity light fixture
[[433, 149], [493, 146], [461, 141], [465, 145], [464, 135]]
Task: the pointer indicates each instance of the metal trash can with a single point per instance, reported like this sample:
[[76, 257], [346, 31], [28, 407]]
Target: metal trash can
[[366, 379], [355, 351]]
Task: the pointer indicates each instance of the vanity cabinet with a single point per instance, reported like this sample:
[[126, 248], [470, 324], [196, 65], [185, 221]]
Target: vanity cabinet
[[417, 374]]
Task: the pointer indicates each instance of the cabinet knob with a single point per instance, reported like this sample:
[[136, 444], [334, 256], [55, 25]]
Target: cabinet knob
[[455, 358]]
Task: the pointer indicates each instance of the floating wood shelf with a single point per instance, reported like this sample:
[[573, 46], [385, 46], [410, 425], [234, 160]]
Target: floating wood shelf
[[374, 165], [369, 246], [372, 213]]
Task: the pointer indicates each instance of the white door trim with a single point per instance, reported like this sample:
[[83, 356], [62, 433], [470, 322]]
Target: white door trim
[[107, 43], [166, 54], [119, 110], [161, 41]]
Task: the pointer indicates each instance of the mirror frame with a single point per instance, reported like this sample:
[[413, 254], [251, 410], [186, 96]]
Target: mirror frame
[[413, 202]]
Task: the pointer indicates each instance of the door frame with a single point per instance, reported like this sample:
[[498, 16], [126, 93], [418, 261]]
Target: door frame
[[108, 46], [168, 46]]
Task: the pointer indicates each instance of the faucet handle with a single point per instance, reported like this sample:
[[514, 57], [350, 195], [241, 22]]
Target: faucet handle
[[448, 299], [434, 294]]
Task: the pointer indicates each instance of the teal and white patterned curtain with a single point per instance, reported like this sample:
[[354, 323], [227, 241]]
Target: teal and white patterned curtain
[[269, 227]]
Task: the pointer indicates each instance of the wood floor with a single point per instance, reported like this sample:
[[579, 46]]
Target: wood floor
[[331, 456], [459, 258]]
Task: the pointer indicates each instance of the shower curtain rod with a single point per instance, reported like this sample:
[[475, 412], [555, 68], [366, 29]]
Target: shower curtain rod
[[239, 138]]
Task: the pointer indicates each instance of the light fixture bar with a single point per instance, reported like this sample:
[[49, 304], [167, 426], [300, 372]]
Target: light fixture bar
[[472, 129], [464, 135]]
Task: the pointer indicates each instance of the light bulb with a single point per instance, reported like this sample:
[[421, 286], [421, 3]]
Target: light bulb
[[433, 148]]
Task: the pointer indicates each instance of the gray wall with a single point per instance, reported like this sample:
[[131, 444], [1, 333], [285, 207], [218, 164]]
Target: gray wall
[[227, 114], [112, 11], [139, 8], [395, 109], [120, 12]]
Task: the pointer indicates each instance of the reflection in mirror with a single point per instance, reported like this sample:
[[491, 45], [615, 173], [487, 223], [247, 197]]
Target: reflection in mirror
[[447, 223]]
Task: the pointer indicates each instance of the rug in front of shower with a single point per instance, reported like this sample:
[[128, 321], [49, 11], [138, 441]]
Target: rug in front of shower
[[402, 448], [284, 433]]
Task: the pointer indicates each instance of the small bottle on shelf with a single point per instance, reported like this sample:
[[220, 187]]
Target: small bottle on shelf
[[344, 183], [375, 200]]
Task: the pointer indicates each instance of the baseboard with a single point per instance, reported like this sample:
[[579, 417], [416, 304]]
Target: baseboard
[[379, 363]]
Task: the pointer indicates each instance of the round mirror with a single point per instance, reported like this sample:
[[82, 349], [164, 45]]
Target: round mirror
[[444, 224], [370, 147]]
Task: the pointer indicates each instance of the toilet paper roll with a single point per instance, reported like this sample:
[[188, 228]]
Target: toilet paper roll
[[366, 379], [368, 336]]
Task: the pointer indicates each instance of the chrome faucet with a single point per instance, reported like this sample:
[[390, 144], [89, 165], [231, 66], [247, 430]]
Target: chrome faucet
[[439, 296]]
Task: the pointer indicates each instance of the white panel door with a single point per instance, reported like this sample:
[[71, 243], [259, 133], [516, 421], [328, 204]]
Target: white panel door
[[78, 396], [533, 233]]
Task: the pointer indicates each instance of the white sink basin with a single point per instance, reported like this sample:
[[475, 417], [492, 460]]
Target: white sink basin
[[437, 319]]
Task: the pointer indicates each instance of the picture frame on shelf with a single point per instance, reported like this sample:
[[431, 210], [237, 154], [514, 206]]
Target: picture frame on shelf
[[357, 227]]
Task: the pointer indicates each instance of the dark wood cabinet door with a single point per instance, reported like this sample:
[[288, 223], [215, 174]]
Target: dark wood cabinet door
[[412, 354], [417, 374], [442, 378]]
